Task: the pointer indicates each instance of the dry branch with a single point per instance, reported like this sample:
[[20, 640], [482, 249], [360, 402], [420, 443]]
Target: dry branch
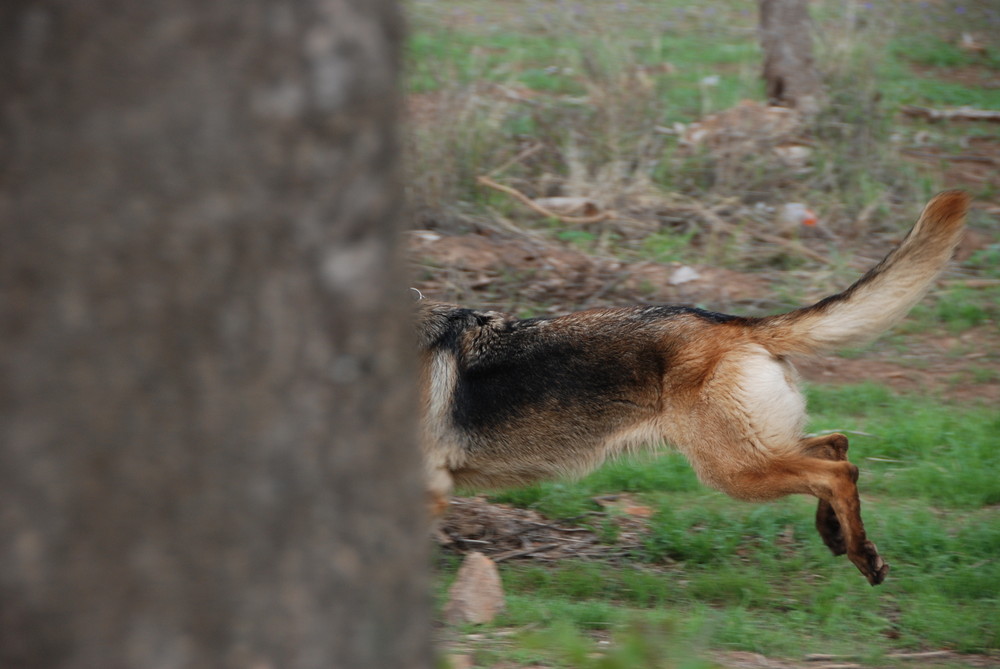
[[927, 655], [527, 201], [987, 160], [955, 114], [530, 550]]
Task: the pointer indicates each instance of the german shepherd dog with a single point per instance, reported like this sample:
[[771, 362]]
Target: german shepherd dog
[[507, 402]]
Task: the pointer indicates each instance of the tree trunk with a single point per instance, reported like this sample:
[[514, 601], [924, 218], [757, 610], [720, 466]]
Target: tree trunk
[[789, 71], [207, 453]]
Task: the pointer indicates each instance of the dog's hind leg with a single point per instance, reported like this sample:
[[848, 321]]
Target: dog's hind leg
[[831, 481], [828, 447]]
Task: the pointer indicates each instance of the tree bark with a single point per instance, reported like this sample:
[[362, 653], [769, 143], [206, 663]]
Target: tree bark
[[207, 453], [789, 73]]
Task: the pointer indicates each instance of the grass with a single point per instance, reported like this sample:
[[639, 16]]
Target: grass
[[959, 307], [723, 575]]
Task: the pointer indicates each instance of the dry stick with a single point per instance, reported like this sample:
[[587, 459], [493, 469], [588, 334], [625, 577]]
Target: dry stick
[[961, 113], [609, 286], [932, 654], [705, 213], [524, 551], [575, 220], [503, 224], [866, 213], [958, 159], [920, 656], [531, 150]]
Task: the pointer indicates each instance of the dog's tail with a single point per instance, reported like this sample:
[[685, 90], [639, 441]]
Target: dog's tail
[[879, 298]]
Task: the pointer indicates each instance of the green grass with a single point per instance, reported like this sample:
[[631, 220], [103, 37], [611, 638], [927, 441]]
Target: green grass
[[936, 52], [939, 93], [958, 308], [725, 575], [667, 246]]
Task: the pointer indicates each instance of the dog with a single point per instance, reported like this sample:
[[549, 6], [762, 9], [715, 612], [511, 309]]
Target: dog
[[509, 401]]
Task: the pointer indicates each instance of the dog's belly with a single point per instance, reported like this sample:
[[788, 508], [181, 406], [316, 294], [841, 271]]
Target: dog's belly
[[549, 439]]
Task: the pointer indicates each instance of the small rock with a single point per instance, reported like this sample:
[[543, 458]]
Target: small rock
[[459, 661], [684, 274], [476, 596]]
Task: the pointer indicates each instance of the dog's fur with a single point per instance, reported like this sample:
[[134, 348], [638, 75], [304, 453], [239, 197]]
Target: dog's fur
[[508, 401]]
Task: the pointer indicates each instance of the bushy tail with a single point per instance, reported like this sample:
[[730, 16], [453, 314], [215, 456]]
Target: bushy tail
[[879, 298]]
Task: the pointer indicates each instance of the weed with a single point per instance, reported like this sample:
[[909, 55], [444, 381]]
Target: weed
[[960, 308], [987, 260], [667, 246]]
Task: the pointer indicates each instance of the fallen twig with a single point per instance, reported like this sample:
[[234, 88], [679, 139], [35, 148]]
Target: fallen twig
[[524, 199], [531, 550], [531, 150], [921, 656], [957, 113], [927, 655], [956, 159]]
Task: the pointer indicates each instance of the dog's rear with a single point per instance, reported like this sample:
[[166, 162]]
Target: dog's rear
[[510, 401]]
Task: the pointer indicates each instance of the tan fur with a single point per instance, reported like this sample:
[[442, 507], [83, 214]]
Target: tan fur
[[508, 402]]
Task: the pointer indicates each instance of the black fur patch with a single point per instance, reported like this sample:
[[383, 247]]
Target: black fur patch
[[595, 365], [538, 365]]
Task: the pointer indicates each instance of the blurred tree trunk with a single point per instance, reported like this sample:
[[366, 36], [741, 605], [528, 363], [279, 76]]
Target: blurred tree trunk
[[789, 70], [206, 425]]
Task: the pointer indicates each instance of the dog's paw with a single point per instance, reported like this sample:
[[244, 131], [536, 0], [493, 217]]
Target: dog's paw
[[829, 529], [870, 563]]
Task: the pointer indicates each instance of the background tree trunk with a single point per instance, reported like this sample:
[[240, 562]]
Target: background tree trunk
[[789, 71], [207, 451]]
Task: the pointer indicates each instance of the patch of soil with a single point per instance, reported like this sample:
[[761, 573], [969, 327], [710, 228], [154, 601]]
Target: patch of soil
[[422, 108], [972, 76], [503, 532], [939, 658], [977, 166], [932, 365], [481, 271]]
